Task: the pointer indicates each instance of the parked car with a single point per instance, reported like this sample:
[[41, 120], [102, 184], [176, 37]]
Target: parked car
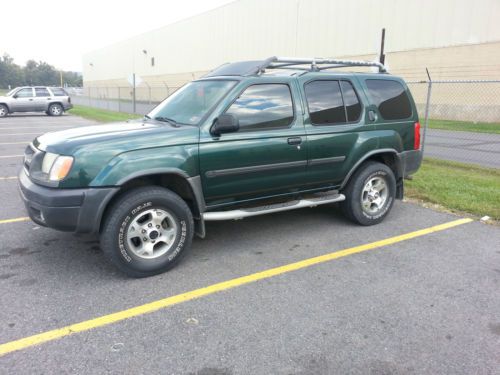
[[51, 100], [249, 138]]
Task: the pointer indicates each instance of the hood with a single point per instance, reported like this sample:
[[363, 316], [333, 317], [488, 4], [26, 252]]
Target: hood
[[120, 137], [95, 147]]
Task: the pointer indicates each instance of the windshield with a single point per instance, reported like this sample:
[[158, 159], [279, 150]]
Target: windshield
[[192, 102]]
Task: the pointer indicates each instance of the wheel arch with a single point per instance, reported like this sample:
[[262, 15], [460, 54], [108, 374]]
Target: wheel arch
[[186, 187], [389, 157]]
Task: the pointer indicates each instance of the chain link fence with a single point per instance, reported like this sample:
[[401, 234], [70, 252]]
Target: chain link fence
[[463, 120], [463, 116]]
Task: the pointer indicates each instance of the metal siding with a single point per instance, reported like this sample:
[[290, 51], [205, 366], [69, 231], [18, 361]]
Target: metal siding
[[253, 29]]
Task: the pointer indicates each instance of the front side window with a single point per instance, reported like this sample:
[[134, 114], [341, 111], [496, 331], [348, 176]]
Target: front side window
[[192, 102], [263, 106], [390, 98], [325, 103], [25, 93], [40, 91]]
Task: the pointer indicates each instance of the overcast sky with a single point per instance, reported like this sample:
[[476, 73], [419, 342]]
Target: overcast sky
[[59, 32]]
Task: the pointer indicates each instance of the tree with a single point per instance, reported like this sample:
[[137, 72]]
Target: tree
[[34, 74]]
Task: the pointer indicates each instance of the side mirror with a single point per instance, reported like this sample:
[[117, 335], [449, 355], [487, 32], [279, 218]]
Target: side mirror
[[225, 123], [15, 96]]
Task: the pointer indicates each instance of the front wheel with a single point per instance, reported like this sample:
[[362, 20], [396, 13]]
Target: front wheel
[[370, 194], [147, 231], [4, 111]]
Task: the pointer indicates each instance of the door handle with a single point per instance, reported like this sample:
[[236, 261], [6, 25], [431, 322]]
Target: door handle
[[294, 141], [31, 100]]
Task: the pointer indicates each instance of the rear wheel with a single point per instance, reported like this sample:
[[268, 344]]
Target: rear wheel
[[370, 194], [147, 231], [4, 111], [55, 110]]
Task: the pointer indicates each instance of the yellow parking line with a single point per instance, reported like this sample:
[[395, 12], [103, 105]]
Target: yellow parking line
[[6, 221], [8, 178], [10, 156], [214, 288]]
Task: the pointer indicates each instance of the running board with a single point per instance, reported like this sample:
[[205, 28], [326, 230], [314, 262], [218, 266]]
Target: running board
[[272, 208]]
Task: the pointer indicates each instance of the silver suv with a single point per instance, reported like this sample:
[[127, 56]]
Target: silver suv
[[51, 100]]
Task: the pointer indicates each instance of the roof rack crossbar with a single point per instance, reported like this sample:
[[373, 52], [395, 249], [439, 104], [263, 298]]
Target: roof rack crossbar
[[280, 62]]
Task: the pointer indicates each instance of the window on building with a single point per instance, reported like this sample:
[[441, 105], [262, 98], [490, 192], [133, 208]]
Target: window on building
[[152, 61], [390, 97], [41, 91], [263, 106]]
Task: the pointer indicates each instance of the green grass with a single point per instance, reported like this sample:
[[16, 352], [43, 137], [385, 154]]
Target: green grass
[[3, 91], [469, 126], [100, 115], [457, 187]]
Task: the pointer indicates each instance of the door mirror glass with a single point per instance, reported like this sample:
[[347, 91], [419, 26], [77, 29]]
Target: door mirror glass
[[225, 123]]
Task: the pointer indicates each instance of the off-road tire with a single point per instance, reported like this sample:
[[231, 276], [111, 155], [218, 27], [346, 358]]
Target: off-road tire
[[122, 213], [352, 207]]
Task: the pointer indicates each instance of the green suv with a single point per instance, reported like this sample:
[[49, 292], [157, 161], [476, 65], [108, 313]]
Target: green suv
[[249, 138]]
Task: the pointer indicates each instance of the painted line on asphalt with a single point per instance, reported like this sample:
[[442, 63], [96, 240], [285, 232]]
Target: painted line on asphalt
[[10, 156], [16, 220], [15, 143], [8, 178], [37, 127], [147, 308], [38, 133]]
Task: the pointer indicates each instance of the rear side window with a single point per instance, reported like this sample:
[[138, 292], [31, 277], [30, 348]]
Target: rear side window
[[390, 97], [265, 106], [40, 91], [57, 91], [332, 102], [325, 103]]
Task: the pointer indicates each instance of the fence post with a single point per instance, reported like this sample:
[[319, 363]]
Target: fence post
[[119, 100], [107, 98], [427, 107]]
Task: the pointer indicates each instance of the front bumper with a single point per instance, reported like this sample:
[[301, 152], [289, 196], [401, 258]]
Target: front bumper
[[70, 210]]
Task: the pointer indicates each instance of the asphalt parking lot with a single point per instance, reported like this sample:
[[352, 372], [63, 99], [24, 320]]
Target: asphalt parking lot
[[427, 303]]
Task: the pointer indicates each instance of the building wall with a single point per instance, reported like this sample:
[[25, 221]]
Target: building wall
[[452, 37]]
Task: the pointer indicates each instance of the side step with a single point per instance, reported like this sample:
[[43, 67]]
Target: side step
[[268, 209]]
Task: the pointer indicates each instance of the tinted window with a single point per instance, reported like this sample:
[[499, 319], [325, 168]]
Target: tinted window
[[264, 106], [58, 91], [324, 100], [351, 101], [41, 92], [390, 97], [24, 93]]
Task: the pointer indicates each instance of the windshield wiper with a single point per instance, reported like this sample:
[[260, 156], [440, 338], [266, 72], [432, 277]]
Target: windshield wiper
[[166, 119], [147, 117]]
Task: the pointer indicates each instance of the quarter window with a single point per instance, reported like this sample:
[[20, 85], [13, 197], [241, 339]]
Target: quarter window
[[390, 97], [40, 91], [263, 106], [25, 93], [57, 91]]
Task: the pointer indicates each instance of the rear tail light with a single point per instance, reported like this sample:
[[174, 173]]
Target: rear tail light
[[416, 145]]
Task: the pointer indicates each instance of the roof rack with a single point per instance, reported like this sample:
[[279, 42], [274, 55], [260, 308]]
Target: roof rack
[[317, 64], [248, 68]]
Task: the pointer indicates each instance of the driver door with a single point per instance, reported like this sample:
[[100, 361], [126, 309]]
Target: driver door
[[23, 100], [267, 156]]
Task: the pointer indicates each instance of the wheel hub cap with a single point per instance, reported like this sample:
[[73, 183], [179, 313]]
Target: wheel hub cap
[[374, 195], [152, 233]]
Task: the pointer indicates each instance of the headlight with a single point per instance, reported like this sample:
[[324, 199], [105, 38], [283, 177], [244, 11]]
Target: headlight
[[56, 166]]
